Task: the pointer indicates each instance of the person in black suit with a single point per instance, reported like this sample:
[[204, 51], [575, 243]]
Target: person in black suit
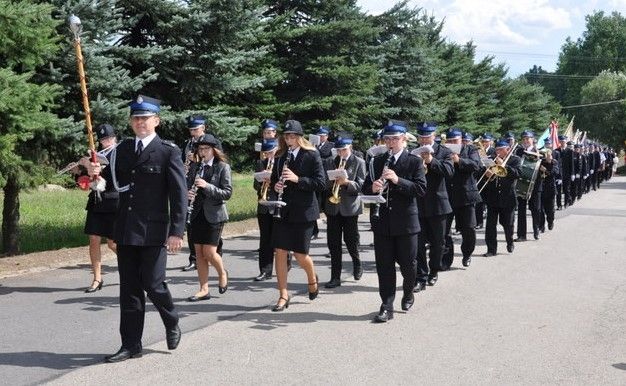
[[325, 146], [567, 162], [399, 177], [463, 195], [342, 217], [209, 184], [148, 173], [549, 187], [580, 166], [486, 141], [265, 213], [101, 208], [297, 175], [434, 206], [501, 199]]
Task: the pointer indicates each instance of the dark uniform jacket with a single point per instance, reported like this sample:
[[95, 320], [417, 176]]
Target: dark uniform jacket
[[156, 182], [399, 216], [435, 202], [211, 199], [349, 204], [567, 160], [500, 192], [326, 150], [553, 172], [461, 187], [302, 204]]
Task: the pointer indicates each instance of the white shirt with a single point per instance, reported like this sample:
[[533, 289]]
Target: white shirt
[[295, 152], [146, 141]]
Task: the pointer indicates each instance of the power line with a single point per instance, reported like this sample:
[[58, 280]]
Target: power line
[[565, 76], [594, 104], [590, 58]]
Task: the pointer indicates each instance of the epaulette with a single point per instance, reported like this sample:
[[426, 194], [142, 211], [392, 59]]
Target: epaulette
[[168, 143]]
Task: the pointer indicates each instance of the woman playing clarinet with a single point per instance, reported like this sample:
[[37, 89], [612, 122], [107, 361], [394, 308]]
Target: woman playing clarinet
[[297, 175]]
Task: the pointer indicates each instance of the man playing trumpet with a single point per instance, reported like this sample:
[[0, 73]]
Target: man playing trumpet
[[342, 208]]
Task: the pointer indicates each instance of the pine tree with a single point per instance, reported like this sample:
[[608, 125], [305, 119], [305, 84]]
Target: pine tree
[[27, 40]]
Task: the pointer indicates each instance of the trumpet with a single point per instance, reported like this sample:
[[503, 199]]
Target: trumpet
[[282, 181], [334, 198], [497, 170], [266, 184]]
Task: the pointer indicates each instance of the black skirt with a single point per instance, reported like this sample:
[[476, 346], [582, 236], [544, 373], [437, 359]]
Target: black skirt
[[203, 232], [292, 236], [100, 224]]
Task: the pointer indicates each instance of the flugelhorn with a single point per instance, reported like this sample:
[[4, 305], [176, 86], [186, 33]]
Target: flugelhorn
[[334, 198], [266, 184]]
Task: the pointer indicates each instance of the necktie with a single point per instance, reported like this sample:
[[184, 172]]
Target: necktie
[[291, 159], [393, 162], [139, 148]]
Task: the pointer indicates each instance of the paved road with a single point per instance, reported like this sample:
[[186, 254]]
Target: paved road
[[552, 312]]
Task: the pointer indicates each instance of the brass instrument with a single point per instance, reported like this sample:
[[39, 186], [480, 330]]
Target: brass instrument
[[497, 170], [334, 198], [482, 152], [266, 184]]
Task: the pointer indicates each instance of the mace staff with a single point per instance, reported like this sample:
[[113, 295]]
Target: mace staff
[[76, 28]]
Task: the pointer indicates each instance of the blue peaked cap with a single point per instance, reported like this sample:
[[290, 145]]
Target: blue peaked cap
[[144, 106]]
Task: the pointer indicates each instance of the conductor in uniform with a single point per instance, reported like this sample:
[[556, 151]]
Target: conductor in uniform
[[397, 225], [148, 173]]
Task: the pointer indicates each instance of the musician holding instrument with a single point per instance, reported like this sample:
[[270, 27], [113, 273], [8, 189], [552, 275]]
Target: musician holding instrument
[[265, 213], [531, 199], [297, 176], [434, 206], [342, 207], [210, 185], [399, 177], [500, 196], [101, 208], [463, 195]]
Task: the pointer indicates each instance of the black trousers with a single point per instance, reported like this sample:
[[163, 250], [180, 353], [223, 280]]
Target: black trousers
[[567, 191], [465, 220], [506, 217], [575, 188], [335, 227], [559, 193], [266, 250], [480, 213], [388, 251], [142, 269], [594, 179], [534, 205], [547, 207], [433, 231]]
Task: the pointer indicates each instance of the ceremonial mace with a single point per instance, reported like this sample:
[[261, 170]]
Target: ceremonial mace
[[76, 27]]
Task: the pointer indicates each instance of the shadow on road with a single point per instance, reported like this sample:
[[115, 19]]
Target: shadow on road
[[620, 366]]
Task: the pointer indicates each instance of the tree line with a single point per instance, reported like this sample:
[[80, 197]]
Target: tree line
[[237, 62]]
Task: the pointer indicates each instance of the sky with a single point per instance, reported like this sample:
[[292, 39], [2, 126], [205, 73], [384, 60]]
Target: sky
[[519, 33]]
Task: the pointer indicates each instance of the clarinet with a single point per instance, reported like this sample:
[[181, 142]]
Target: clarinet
[[376, 209], [282, 181], [194, 189]]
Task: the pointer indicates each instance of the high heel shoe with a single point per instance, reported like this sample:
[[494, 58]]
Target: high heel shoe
[[224, 288], [278, 307], [313, 295], [96, 288]]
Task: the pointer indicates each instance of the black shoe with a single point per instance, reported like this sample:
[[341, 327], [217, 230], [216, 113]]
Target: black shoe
[[432, 280], [444, 268], [357, 272], [281, 307], [510, 247], [542, 229], [315, 236], [479, 226], [172, 336], [384, 315], [224, 288], [195, 298], [263, 276], [419, 286], [550, 226], [520, 239], [96, 288], [327, 255], [122, 355], [489, 254], [467, 261], [189, 267], [333, 283], [407, 302], [313, 295], [559, 208], [536, 234]]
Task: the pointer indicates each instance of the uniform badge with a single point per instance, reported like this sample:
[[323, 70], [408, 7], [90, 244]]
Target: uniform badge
[[139, 99]]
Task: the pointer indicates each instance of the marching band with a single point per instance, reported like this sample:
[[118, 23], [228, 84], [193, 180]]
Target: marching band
[[416, 195]]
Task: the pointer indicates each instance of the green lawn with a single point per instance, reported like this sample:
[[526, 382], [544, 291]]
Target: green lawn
[[53, 220]]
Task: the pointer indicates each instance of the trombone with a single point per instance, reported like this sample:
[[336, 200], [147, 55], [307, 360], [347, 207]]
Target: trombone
[[334, 198], [496, 170]]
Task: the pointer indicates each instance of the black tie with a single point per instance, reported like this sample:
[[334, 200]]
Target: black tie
[[206, 173], [139, 148], [393, 162], [291, 159]]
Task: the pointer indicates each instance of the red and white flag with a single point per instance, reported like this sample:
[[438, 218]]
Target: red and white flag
[[554, 134]]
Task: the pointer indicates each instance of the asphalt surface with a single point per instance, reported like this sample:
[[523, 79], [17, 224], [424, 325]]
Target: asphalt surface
[[550, 313]]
